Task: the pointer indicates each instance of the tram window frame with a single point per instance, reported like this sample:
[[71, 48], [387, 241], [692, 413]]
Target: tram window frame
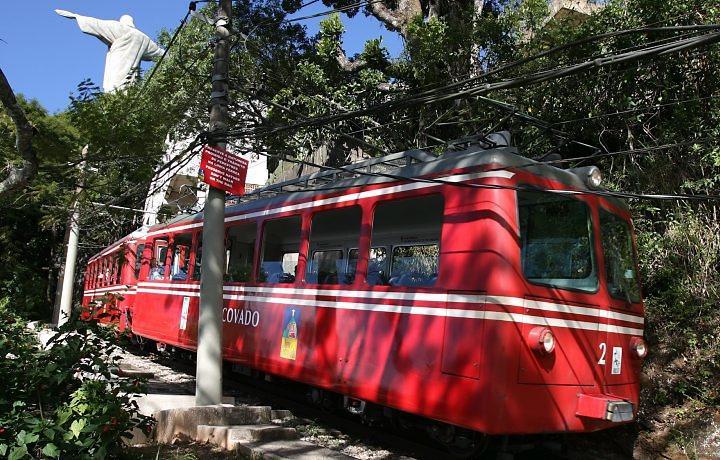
[[424, 237], [186, 239], [630, 297], [283, 276], [94, 283], [114, 269], [91, 275], [370, 258], [243, 272], [196, 252], [160, 262], [314, 278], [138, 259], [333, 231], [592, 237], [103, 272]]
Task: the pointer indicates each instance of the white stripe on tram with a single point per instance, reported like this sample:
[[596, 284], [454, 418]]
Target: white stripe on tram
[[349, 197], [435, 311], [114, 290], [170, 292], [432, 297]]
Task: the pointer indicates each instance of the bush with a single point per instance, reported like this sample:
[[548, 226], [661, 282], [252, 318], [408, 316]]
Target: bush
[[59, 400], [680, 261]]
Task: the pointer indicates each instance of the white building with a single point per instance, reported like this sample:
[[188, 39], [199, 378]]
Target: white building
[[177, 189]]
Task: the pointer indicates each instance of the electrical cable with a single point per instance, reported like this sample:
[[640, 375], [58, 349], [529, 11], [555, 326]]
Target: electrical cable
[[503, 84]]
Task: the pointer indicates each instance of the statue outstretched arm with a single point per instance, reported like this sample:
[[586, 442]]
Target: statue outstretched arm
[[153, 51], [67, 14], [106, 30]]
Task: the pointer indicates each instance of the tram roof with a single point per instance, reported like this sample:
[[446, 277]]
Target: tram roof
[[418, 164]]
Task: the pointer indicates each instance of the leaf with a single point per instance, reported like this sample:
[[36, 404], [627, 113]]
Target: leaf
[[17, 453], [49, 433], [76, 426], [51, 450], [63, 416], [30, 438], [3, 449]]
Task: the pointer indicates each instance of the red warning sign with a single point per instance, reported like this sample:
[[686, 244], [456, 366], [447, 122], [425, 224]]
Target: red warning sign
[[224, 170]]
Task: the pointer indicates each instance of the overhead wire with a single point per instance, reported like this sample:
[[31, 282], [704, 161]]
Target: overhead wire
[[502, 84], [538, 77]]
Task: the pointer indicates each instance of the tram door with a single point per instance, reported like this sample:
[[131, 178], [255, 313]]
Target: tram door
[[462, 347]]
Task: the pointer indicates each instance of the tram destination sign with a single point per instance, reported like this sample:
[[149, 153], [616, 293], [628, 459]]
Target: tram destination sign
[[224, 170]]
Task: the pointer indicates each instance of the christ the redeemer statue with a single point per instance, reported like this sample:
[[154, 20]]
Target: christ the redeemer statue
[[127, 46]]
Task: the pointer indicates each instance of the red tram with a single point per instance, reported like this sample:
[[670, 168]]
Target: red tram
[[477, 288], [111, 281]]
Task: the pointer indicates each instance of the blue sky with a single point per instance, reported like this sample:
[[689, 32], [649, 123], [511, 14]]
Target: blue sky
[[45, 56]]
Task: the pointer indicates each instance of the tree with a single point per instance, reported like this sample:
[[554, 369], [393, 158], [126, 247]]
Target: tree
[[17, 176]]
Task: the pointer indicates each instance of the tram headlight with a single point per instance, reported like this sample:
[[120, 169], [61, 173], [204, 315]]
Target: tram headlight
[[594, 177], [541, 340], [590, 175], [639, 348]]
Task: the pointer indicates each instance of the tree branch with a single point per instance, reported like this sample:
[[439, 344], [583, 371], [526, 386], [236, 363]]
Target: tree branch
[[347, 64], [398, 18], [475, 63], [17, 176]]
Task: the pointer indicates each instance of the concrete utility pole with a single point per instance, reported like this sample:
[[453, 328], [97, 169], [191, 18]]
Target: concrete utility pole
[[208, 379], [64, 309]]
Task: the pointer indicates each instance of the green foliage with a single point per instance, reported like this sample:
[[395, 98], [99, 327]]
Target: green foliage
[[60, 401], [681, 267], [27, 236]]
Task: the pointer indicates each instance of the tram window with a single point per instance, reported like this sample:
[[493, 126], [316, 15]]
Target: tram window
[[93, 276], [620, 266], [240, 252], [181, 257], [115, 270], [97, 274], [138, 259], [413, 226], [415, 265], [197, 268], [327, 267], [105, 272], [556, 241], [377, 265], [331, 231], [157, 265], [281, 245]]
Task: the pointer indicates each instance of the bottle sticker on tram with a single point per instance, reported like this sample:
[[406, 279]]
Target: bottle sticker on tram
[[288, 342], [243, 316]]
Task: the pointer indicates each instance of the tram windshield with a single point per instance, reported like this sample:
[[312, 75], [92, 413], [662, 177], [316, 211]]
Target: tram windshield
[[620, 266], [556, 239]]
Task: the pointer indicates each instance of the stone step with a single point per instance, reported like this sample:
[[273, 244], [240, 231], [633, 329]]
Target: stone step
[[183, 422], [281, 414], [286, 449], [228, 436]]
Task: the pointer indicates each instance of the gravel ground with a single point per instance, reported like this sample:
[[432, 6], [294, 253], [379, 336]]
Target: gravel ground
[[710, 447]]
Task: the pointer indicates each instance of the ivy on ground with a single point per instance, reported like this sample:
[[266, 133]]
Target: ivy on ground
[[60, 400]]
